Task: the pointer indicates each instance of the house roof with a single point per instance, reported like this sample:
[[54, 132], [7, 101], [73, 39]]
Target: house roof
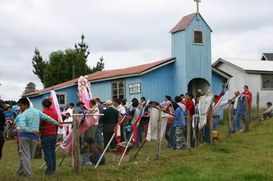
[[267, 56], [108, 75], [184, 22], [250, 66], [221, 73]]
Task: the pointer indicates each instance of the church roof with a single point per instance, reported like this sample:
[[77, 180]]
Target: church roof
[[250, 66], [267, 56], [184, 22], [109, 75]]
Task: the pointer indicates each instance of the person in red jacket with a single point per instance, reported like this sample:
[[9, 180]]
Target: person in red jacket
[[49, 137], [248, 94], [191, 108]]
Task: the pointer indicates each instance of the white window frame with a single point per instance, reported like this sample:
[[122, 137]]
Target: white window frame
[[202, 43], [118, 95], [64, 94], [269, 79]]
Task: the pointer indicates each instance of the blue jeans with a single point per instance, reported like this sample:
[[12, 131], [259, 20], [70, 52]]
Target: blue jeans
[[49, 145], [215, 122], [139, 134], [237, 125], [99, 134]]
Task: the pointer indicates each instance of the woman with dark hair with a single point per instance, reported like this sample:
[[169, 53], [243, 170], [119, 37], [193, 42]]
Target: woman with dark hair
[[49, 137]]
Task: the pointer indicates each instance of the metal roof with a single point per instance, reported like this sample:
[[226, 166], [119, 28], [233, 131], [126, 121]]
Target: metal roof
[[184, 22], [251, 66], [267, 56]]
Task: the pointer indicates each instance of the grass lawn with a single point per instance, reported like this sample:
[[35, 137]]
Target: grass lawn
[[244, 156]]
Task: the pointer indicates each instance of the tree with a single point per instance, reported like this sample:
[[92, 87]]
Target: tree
[[99, 66], [39, 65], [65, 65], [82, 48], [31, 87]]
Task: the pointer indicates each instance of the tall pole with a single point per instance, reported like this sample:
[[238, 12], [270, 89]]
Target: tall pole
[[229, 119], [158, 135]]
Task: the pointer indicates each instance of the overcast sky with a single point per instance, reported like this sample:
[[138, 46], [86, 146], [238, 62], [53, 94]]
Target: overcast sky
[[125, 32]]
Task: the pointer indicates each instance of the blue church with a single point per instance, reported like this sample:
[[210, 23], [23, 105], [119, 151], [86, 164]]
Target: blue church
[[188, 69]]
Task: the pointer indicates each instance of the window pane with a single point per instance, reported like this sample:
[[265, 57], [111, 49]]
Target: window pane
[[114, 85], [115, 92], [120, 85], [198, 37], [267, 81], [61, 98]]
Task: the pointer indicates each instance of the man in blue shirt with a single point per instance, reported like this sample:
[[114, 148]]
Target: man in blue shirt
[[28, 125]]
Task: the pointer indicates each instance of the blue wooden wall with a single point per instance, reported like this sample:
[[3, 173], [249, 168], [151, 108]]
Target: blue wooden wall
[[70, 95], [158, 83], [192, 60], [217, 83], [154, 85], [102, 90]]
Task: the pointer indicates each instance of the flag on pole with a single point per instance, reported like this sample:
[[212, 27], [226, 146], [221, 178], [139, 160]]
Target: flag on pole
[[55, 105], [218, 101], [89, 121], [117, 128], [134, 127]]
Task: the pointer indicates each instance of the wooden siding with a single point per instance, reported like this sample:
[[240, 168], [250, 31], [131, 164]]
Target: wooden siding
[[158, 83], [70, 97], [102, 89], [192, 61], [241, 78], [217, 84]]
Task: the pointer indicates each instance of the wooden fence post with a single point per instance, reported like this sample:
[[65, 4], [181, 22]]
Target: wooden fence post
[[188, 144], [246, 114], [258, 104], [211, 122], [229, 119], [76, 166], [158, 135]]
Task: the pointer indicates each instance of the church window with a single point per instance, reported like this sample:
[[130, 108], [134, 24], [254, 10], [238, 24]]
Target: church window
[[267, 82], [118, 89], [61, 98], [198, 37]]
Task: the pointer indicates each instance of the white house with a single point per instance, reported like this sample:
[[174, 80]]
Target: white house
[[257, 74]]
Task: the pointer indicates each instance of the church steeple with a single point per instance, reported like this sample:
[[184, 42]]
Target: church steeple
[[191, 47]]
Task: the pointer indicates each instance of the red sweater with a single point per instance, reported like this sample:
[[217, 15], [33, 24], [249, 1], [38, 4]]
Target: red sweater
[[249, 94], [47, 128], [190, 107]]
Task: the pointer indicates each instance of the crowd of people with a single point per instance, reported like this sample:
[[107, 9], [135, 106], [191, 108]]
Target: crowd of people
[[35, 125]]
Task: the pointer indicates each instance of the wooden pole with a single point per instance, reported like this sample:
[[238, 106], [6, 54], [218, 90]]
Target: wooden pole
[[76, 166], [139, 148], [210, 126], [124, 152], [158, 135], [246, 114], [229, 119], [105, 149], [258, 104], [188, 143]]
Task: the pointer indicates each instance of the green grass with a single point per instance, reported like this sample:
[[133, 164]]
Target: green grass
[[245, 156]]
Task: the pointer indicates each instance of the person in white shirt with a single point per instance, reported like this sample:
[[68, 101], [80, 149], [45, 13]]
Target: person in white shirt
[[121, 109]]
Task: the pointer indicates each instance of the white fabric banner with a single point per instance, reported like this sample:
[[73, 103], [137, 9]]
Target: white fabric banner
[[153, 124], [204, 104]]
